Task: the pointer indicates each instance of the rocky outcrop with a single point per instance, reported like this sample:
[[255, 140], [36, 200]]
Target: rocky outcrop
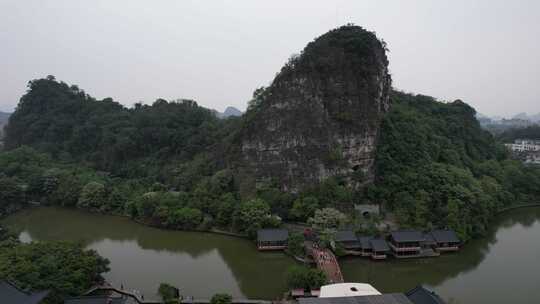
[[320, 116]]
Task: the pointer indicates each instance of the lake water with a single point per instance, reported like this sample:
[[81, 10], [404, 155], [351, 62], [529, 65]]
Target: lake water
[[504, 267]]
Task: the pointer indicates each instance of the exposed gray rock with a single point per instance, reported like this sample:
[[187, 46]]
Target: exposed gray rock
[[4, 117], [320, 116]]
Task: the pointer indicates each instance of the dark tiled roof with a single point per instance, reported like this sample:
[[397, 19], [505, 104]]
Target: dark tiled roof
[[391, 298], [272, 235], [422, 295], [407, 236], [379, 245], [429, 238], [445, 236], [346, 236], [9, 293], [365, 242], [95, 300]]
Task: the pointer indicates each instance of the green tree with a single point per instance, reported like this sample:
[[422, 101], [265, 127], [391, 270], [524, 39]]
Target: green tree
[[12, 196], [304, 208], [295, 244], [251, 216], [67, 269], [93, 196], [147, 204], [225, 209], [221, 298], [305, 278], [327, 219], [168, 293], [185, 218]]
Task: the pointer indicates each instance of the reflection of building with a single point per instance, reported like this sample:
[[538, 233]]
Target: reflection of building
[[445, 240], [358, 293], [272, 239], [9, 293]]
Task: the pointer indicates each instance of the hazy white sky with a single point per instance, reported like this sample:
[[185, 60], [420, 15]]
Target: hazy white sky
[[217, 52]]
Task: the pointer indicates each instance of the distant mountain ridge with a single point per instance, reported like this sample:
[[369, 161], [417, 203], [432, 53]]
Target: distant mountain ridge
[[229, 112], [525, 116], [498, 125], [535, 118]]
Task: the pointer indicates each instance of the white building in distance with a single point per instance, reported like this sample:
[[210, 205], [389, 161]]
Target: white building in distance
[[524, 145]]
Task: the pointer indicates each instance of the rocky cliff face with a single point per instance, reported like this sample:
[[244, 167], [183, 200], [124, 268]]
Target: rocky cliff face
[[4, 117], [320, 116]]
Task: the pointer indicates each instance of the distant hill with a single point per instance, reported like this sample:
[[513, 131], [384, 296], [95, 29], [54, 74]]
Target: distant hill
[[497, 124], [229, 112], [525, 116]]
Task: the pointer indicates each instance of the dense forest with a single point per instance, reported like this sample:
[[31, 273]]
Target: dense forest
[[165, 165], [438, 168]]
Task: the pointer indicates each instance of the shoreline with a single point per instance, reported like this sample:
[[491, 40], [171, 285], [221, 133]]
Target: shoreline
[[230, 233]]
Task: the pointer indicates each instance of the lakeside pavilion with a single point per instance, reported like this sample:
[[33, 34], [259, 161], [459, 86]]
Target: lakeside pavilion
[[406, 243], [445, 240], [379, 249], [272, 239], [365, 245], [347, 239]]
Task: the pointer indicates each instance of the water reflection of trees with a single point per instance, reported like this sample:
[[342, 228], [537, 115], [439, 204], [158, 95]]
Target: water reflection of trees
[[252, 269], [400, 275], [65, 224]]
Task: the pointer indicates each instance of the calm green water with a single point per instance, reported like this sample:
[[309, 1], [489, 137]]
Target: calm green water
[[502, 268], [200, 264]]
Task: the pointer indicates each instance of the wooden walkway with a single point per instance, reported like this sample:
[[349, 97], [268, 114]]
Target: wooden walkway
[[138, 298], [189, 300], [326, 261]]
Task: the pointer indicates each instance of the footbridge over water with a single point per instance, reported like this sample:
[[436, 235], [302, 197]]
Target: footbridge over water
[[326, 261]]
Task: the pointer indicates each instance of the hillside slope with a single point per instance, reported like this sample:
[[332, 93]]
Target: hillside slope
[[437, 167], [68, 123]]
